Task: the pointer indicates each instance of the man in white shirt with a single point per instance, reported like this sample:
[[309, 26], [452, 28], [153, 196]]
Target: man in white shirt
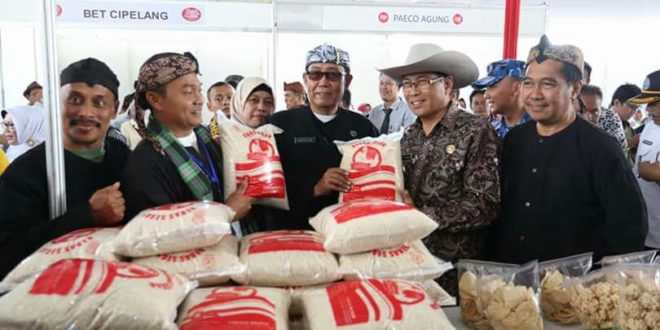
[[647, 168], [393, 114]]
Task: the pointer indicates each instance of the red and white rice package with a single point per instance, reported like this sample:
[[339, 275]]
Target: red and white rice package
[[209, 265], [286, 258], [239, 307], [89, 243], [370, 224], [95, 294], [374, 167], [372, 304], [411, 261], [252, 155], [437, 294], [174, 228]]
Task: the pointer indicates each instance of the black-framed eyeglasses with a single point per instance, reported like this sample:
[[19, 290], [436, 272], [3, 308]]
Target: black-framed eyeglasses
[[421, 83], [8, 125], [330, 75]]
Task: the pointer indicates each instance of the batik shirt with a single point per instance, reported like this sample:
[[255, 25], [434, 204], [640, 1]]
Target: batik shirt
[[610, 122]]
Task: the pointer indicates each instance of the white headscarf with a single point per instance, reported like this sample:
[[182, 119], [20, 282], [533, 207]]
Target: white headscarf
[[241, 95], [30, 124]]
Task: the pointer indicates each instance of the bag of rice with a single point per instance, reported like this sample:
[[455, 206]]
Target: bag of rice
[[286, 258], [370, 224], [556, 297], [374, 167], [499, 296], [372, 304], [208, 265], [239, 307], [88, 243], [174, 228], [94, 294], [411, 261], [252, 155], [437, 294]]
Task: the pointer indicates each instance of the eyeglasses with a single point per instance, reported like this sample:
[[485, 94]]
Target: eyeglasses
[[421, 83], [8, 125], [632, 107], [330, 75]]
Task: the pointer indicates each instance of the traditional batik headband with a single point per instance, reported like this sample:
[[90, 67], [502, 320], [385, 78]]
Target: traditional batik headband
[[162, 68], [328, 54], [568, 54]]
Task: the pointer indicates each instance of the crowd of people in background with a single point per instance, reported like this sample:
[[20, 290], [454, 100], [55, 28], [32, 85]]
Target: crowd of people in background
[[537, 167]]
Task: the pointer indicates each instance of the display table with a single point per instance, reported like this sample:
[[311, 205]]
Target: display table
[[454, 316]]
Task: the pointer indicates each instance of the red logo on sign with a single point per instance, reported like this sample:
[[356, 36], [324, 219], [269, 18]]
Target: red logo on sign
[[458, 19], [58, 10], [383, 17], [191, 14]]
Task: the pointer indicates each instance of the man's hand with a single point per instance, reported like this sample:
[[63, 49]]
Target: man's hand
[[107, 206], [240, 203], [334, 179], [650, 171]]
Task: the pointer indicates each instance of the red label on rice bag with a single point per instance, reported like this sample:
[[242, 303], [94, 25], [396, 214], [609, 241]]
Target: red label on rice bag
[[264, 174], [362, 208], [286, 240], [181, 257], [389, 253], [171, 211], [370, 178], [71, 241], [232, 308], [353, 302], [74, 276]]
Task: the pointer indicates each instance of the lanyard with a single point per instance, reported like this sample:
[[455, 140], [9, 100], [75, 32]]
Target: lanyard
[[211, 174]]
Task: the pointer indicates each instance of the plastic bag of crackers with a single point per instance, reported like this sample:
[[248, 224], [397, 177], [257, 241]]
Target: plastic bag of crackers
[[556, 296], [596, 297], [639, 297], [499, 296]]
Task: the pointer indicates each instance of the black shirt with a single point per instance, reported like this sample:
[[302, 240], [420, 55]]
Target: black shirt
[[565, 194], [307, 150], [25, 223]]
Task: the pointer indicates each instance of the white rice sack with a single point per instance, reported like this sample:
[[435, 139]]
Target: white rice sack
[[210, 265], [174, 228], [411, 261], [374, 167], [370, 224], [94, 294], [88, 243], [286, 258], [373, 305], [239, 307], [252, 155]]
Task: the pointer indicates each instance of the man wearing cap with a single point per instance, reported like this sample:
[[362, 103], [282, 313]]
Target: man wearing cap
[[92, 165], [309, 157], [294, 95], [177, 161], [625, 111], [567, 187], [393, 115], [648, 156], [34, 93], [502, 86], [449, 155]]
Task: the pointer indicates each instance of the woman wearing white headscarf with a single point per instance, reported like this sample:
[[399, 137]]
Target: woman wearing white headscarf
[[252, 102], [25, 128]]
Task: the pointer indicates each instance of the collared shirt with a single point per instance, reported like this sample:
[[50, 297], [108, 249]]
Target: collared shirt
[[500, 126], [649, 151], [610, 122], [400, 117]]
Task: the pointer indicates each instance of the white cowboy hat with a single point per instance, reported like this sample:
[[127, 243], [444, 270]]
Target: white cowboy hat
[[424, 58]]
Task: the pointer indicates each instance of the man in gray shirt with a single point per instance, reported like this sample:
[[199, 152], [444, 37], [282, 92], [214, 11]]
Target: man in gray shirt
[[393, 114]]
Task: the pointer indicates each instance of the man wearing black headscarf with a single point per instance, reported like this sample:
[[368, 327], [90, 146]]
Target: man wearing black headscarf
[[92, 165]]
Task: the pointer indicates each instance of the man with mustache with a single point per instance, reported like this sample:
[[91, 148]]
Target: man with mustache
[[309, 156], [92, 165], [567, 187], [177, 160]]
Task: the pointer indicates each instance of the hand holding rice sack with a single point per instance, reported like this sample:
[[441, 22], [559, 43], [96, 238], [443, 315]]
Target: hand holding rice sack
[[95, 294], [374, 167], [174, 228]]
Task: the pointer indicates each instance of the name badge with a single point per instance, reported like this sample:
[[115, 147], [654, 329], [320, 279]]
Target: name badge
[[647, 142], [304, 139]]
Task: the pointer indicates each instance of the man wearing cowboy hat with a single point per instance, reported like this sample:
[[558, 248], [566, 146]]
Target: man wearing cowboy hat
[[309, 157], [449, 155], [648, 155], [567, 187], [502, 86]]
